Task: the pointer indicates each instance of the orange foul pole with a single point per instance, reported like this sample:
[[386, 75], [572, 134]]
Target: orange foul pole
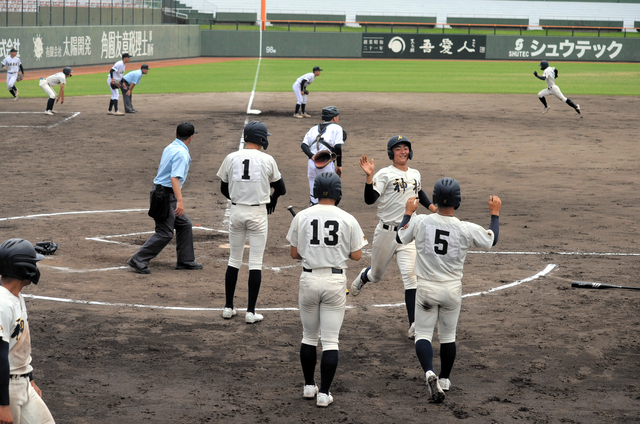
[[263, 15]]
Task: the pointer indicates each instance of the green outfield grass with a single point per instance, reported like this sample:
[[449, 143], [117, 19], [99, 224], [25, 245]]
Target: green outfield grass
[[426, 76]]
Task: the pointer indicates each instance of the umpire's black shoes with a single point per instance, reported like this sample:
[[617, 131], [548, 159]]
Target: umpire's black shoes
[[189, 265], [138, 266]]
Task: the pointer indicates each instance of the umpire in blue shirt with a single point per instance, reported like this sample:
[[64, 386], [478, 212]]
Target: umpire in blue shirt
[[126, 86], [167, 207]]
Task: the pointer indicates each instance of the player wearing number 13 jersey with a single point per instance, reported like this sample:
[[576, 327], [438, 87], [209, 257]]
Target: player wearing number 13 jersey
[[442, 242], [247, 178], [324, 237]]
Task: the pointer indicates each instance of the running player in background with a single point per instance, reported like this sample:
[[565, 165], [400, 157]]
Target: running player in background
[[549, 75]]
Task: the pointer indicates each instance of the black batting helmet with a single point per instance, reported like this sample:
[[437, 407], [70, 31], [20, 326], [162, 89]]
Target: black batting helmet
[[446, 192], [329, 112], [328, 186], [544, 65], [67, 71], [256, 132], [394, 141], [18, 259]]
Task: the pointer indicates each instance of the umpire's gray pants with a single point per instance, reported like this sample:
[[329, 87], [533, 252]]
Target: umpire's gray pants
[[128, 107], [164, 234]]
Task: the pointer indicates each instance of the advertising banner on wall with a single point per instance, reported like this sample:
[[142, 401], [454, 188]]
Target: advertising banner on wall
[[47, 47], [592, 49], [423, 46]]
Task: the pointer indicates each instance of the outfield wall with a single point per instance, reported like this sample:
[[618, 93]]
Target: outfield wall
[[419, 46], [51, 47]]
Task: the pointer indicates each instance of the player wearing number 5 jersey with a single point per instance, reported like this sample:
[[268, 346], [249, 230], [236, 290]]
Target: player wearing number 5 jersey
[[442, 242], [324, 237], [391, 187], [247, 178]]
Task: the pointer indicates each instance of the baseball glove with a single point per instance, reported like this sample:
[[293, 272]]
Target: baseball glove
[[20, 77], [114, 85], [306, 92], [323, 158], [47, 247]]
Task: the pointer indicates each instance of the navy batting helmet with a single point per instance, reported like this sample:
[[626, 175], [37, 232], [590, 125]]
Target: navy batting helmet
[[394, 141], [256, 132], [329, 112], [67, 71], [18, 259], [446, 192], [544, 65], [328, 186]]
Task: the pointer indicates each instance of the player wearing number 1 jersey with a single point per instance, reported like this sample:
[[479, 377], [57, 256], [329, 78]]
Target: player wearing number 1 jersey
[[247, 178], [442, 242], [324, 237]]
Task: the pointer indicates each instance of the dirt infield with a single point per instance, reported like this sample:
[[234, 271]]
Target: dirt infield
[[537, 352]]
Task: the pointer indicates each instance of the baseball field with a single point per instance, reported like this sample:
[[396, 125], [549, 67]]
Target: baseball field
[[112, 346]]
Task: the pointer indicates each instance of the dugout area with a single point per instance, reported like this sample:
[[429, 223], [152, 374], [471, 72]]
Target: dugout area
[[539, 352]]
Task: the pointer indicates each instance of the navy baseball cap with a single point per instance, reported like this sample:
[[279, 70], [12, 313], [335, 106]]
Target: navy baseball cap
[[13, 51], [186, 129], [317, 68], [125, 55], [145, 66]]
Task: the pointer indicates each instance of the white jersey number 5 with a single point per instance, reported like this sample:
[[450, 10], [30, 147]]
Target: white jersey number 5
[[445, 242]]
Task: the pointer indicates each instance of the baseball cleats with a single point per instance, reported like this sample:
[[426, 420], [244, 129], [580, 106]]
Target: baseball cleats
[[228, 313], [445, 383], [412, 331], [15, 99], [298, 115], [578, 110], [306, 115], [109, 112], [435, 390], [357, 284], [138, 266], [546, 109], [48, 112], [324, 399], [251, 318], [188, 265], [53, 111], [116, 113], [310, 391]]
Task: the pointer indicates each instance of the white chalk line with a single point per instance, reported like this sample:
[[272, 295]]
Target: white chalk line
[[542, 273], [44, 215], [74, 114]]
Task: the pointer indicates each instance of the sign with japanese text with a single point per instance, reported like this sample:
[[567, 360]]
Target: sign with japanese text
[[424, 46], [592, 49]]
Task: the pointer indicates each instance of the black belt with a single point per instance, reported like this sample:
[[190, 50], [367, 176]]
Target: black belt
[[245, 205], [20, 375], [333, 270], [159, 187], [389, 227]]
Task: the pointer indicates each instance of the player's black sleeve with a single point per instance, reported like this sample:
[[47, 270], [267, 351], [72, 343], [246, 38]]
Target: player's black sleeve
[[224, 189], [495, 227], [405, 221], [539, 77], [370, 195], [424, 200], [21, 69], [279, 188], [4, 373], [111, 73], [307, 150], [338, 151], [302, 85]]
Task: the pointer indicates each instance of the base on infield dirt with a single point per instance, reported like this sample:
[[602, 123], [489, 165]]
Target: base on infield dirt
[[254, 112]]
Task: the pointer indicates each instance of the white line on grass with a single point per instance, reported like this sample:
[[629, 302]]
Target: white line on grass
[[542, 273]]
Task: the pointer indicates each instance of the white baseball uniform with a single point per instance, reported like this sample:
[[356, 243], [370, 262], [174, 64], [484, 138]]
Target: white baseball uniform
[[13, 66], [51, 81], [118, 73], [25, 404], [324, 236], [332, 135], [249, 173], [552, 88], [300, 84], [395, 188], [442, 244]]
